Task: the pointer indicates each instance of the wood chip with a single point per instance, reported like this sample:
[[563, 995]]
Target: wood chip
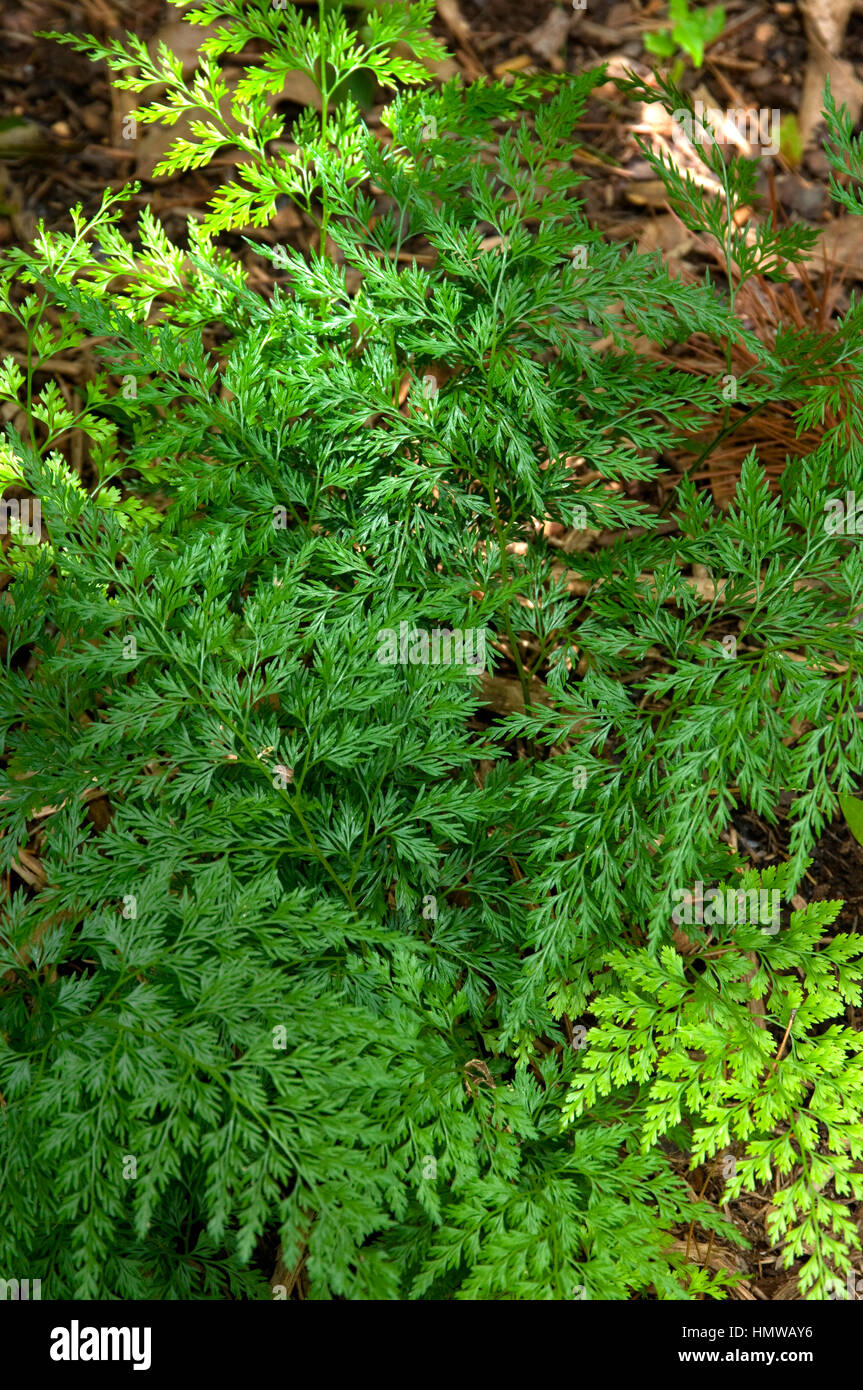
[[505, 696]]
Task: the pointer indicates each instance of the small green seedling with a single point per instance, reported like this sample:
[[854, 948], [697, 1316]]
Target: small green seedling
[[690, 29], [852, 810]]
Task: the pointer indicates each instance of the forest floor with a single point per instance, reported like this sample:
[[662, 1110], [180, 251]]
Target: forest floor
[[62, 140]]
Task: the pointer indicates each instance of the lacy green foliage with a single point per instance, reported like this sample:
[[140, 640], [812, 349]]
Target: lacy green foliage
[[322, 47], [315, 979], [696, 1034]]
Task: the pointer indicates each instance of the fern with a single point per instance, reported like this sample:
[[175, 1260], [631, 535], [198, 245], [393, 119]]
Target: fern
[[312, 930]]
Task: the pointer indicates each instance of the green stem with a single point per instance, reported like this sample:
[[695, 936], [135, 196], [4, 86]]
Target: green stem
[[500, 533]]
